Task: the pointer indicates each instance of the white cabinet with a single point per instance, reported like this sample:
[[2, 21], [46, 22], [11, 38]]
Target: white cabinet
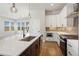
[[59, 20], [71, 15], [51, 21], [62, 16], [70, 9], [54, 20], [72, 47], [48, 21]]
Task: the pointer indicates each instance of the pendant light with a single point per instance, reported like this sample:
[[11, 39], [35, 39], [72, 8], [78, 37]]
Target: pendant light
[[29, 16], [13, 9]]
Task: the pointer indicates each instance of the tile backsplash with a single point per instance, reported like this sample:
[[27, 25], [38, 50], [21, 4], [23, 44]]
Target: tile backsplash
[[63, 29]]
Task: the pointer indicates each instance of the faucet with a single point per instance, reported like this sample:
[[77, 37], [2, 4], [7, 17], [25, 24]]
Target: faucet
[[23, 32]]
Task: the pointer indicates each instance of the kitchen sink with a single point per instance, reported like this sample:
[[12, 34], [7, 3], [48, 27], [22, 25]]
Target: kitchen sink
[[29, 38]]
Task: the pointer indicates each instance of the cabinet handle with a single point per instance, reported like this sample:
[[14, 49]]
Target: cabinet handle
[[62, 40], [69, 53], [69, 45]]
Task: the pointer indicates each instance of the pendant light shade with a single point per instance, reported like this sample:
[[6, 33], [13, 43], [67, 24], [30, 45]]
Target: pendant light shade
[[29, 16], [13, 9]]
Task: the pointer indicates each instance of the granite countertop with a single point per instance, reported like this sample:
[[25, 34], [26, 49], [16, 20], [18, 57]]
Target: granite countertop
[[62, 33], [72, 37], [13, 46]]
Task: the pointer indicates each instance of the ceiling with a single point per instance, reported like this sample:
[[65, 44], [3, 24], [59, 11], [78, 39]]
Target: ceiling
[[46, 6], [24, 7], [55, 9]]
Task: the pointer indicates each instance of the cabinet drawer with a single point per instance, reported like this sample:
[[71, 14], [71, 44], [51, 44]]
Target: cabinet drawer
[[72, 47], [69, 47], [69, 53]]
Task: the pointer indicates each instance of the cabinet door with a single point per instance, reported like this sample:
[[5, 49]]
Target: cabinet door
[[72, 47], [70, 9], [48, 21], [70, 22], [59, 24], [76, 9], [37, 47], [54, 21], [46, 18]]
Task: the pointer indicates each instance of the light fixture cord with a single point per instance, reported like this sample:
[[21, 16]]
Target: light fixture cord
[[29, 7]]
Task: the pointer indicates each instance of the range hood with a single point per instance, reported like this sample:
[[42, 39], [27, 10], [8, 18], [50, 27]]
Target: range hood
[[73, 14]]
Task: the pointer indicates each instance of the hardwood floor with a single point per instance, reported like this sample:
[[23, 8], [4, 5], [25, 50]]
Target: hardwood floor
[[50, 49]]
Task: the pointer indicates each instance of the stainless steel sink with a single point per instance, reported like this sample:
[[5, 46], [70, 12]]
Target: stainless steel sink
[[28, 38]]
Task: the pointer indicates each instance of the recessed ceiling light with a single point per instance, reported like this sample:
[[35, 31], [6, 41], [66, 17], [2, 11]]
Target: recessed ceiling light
[[51, 4]]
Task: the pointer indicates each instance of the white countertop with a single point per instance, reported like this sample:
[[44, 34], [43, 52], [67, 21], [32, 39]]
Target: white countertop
[[13, 46]]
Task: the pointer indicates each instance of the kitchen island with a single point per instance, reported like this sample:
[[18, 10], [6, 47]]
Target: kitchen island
[[13, 46]]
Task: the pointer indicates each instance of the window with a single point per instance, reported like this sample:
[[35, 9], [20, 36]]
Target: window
[[27, 27], [9, 25], [6, 26], [18, 27], [22, 25], [12, 26]]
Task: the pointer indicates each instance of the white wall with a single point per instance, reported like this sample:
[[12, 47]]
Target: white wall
[[23, 12], [38, 17]]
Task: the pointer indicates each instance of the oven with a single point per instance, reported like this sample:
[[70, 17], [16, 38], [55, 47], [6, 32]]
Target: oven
[[63, 45]]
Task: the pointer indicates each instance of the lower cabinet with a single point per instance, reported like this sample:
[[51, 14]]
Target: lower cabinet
[[33, 50], [72, 47]]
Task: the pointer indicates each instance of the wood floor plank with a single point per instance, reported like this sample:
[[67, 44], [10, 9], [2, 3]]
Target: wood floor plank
[[50, 49]]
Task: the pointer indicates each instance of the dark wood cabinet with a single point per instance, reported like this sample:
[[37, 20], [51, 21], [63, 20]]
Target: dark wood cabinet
[[37, 47], [33, 50]]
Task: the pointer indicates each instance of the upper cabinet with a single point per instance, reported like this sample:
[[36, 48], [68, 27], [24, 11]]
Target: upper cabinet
[[62, 17], [58, 20], [72, 10], [51, 21], [55, 21], [72, 15], [48, 21]]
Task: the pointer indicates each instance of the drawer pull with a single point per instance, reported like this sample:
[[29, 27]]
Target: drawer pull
[[69, 45], [69, 53]]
